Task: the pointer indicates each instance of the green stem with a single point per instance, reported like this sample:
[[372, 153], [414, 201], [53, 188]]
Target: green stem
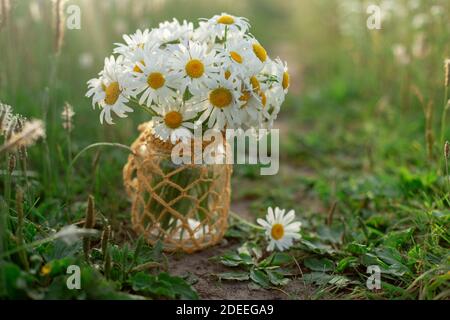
[[98, 144], [444, 116], [446, 176], [27, 246], [245, 222], [145, 108]]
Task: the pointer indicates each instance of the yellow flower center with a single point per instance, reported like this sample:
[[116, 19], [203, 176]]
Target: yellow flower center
[[236, 57], [45, 270], [136, 67], [227, 74], [195, 68], [112, 93], [286, 80], [225, 19], [255, 83], [220, 97], [260, 52], [277, 231], [155, 80], [245, 96], [263, 97], [173, 119]]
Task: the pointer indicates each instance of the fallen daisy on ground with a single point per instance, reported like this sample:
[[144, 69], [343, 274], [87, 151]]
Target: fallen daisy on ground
[[71, 234], [280, 229]]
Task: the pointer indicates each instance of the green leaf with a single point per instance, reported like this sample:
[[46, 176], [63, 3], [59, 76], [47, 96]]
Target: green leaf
[[394, 260], [187, 95], [339, 281], [317, 247], [332, 234], [260, 277], [250, 249], [346, 262], [233, 259], [321, 279], [59, 266], [276, 259], [277, 278], [14, 283], [59, 249], [397, 239], [356, 248], [238, 276], [319, 264], [162, 285]]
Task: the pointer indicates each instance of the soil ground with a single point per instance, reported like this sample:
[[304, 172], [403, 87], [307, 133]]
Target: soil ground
[[202, 271]]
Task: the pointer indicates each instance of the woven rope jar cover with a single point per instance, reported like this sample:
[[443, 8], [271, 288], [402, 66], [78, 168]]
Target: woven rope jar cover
[[185, 206]]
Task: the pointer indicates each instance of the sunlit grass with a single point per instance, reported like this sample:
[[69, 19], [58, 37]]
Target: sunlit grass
[[362, 158]]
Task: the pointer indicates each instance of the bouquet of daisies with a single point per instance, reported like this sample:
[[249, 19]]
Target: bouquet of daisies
[[216, 76]]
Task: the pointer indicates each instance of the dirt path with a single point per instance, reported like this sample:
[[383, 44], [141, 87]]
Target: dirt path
[[202, 270]]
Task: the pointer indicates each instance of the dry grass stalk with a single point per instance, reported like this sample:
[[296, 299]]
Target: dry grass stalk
[[31, 132], [106, 234], [89, 223], [67, 116], [11, 162], [429, 135], [428, 111], [446, 150], [59, 20], [5, 6], [447, 72], [5, 118]]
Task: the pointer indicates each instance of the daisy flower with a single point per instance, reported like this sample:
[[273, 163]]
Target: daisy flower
[[258, 50], [153, 80], [198, 230], [216, 25], [221, 106], [174, 31], [193, 66], [280, 229], [238, 58], [253, 107], [219, 69], [280, 71], [172, 123], [109, 90], [132, 42]]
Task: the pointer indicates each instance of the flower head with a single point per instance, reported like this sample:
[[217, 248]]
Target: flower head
[[223, 23], [217, 75], [172, 122], [109, 90], [280, 229]]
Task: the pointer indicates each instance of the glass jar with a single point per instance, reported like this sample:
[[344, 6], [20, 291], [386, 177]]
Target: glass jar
[[183, 206]]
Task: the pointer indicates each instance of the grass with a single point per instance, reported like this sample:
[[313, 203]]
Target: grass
[[362, 156]]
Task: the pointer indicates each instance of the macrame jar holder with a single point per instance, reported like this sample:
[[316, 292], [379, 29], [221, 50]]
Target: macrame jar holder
[[184, 206]]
